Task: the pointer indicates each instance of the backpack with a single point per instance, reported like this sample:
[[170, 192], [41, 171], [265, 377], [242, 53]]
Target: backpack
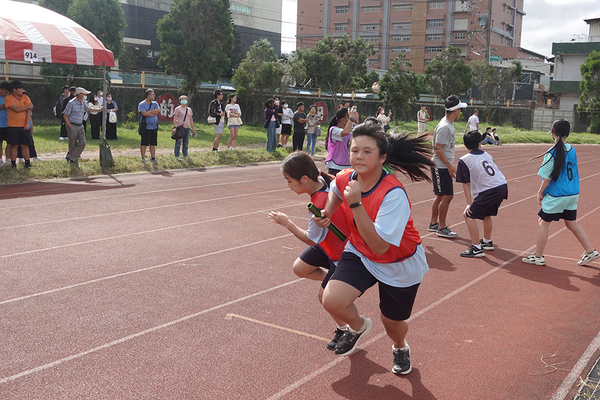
[[57, 109]]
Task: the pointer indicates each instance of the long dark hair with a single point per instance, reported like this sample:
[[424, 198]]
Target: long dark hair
[[299, 163], [341, 113], [406, 153], [561, 128]]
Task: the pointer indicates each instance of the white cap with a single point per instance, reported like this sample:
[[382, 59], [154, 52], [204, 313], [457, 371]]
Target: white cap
[[80, 90]]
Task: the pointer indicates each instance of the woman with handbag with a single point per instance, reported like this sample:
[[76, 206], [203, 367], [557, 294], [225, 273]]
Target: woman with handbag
[[182, 120], [234, 120], [216, 113], [111, 118]]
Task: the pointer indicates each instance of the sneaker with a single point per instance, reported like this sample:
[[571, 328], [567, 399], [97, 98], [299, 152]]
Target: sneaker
[[446, 232], [62, 138], [21, 160], [587, 258], [486, 246], [178, 158], [215, 150], [473, 252], [278, 145], [143, 160], [433, 227], [36, 159], [347, 343], [336, 338], [153, 160], [402, 365], [67, 159], [534, 259]]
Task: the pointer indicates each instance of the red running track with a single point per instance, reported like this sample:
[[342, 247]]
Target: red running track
[[175, 285]]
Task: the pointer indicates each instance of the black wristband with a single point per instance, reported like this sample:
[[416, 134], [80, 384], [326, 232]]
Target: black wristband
[[354, 205]]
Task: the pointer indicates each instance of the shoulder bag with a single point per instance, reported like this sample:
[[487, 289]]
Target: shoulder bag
[[179, 131]]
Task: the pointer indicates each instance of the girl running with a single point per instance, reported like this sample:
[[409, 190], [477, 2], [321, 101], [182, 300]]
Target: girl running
[[559, 194], [384, 247], [318, 261]]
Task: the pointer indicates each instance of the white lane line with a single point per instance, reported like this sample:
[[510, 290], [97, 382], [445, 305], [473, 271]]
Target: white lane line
[[60, 289], [295, 385], [142, 333]]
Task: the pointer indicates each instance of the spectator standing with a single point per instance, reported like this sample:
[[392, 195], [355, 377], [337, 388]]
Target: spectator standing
[[286, 123], [183, 116], [443, 171], [4, 91], [217, 110], [311, 131], [277, 101], [422, 118], [270, 122], [111, 120], [67, 96], [473, 122], [74, 114], [383, 120], [95, 118], [234, 119], [18, 121], [150, 109], [32, 152], [299, 130]]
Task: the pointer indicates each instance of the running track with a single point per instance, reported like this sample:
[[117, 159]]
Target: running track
[[175, 285]]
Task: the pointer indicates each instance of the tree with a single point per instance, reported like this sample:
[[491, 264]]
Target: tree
[[589, 101], [448, 73], [336, 64], [493, 82], [369, 79], [399, 85], [259, 72], [195, 38], [60, 6]]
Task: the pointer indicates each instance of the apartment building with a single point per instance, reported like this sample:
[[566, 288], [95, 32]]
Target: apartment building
[[419, 29]]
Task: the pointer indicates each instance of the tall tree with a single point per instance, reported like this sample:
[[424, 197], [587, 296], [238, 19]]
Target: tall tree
[[589, 101], [337, 65], [448, 73], [494, 83], [195, 38], [399, 85], [60, 6], [259, 73]]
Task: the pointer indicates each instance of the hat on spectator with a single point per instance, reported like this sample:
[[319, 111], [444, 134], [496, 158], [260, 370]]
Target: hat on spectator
[[81, 90]]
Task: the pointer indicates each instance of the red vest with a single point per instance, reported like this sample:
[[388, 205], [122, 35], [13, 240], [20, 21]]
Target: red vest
[[371, 202], [331, 245]]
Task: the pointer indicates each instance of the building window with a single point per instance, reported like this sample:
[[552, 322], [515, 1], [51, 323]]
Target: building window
[[402, 7], [402, 25], [401, 38], [342, 26], [342, 9], [369, 27], [428, 60], [460, 36], [433, 49], [370, 38], [241, 9], [436, 5], [435, 36], [404, 49], [461, 24], [373, 62], [435, 23], [371, 9]]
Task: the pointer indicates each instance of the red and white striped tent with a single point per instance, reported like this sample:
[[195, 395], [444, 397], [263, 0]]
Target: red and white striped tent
[[32, 33]]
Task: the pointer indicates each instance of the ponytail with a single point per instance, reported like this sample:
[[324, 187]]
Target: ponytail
[[299, 164], [561, 128]]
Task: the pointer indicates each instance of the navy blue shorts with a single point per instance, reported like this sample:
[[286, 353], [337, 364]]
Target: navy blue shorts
[[395, 303], [442, 182], [487, 203], [315, 256], [567, 215]]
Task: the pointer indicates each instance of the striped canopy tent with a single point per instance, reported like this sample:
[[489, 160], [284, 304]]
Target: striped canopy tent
[[32, 33]]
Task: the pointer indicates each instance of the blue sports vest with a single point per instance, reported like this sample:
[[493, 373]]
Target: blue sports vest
[[567, 183]]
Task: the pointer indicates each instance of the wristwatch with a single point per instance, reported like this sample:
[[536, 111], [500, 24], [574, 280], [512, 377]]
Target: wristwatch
[[354, 205], [352, 119]]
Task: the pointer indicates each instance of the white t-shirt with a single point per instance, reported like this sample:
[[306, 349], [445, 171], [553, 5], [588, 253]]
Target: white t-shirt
[[478, 169], [233, 107], [473, 121]]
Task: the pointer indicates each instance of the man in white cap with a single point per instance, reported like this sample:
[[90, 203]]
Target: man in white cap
[[443, 171], [73, 115]]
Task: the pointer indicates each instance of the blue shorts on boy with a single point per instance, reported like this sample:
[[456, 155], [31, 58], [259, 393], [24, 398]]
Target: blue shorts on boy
[[488, 185], [563, 194]]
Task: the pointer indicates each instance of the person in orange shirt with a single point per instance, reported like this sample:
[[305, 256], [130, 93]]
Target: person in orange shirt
[[18, 133]]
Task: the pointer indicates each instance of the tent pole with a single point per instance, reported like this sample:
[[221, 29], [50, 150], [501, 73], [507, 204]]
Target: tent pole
[[104, 89]]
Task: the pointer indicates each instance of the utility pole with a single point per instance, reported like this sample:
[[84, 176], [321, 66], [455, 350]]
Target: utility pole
[[488, 33]]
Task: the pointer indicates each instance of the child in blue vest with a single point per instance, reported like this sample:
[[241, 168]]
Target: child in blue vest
[[485, 188], [384, 248], [559, 194]]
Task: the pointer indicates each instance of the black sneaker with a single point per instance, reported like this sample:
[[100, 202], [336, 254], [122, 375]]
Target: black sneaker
[[486, 246], [473, 252], [433, 227], [336, 338], [402, 365], [347, 343]]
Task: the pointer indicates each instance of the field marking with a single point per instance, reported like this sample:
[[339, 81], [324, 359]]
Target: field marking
[[283, 328]]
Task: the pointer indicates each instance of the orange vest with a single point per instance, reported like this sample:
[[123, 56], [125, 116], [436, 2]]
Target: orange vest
[[371, 202], [331, 245]]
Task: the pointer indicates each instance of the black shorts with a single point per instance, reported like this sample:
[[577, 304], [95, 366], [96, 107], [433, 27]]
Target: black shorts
[[3, 134], [150, 137], [567, 215], [442, 182], [17, 136], [286, 129], [487, 203], [315, 256], [395, 303]]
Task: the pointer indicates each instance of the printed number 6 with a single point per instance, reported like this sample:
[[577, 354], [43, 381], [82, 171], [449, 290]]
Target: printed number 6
[[488, 168], [569, 171]]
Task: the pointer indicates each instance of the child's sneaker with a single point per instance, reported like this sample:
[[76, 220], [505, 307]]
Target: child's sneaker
[[347, 343], [433, 227], [446, 232], [486, 246], [336, 338], [473, 252], [587, 258], [402, 365], [534, 259]]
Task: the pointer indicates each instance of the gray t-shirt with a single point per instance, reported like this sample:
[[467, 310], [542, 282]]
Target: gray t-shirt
[[445, 135]]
